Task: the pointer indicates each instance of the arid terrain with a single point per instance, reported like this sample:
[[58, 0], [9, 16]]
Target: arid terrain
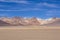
[[25, 33], [17, 28]]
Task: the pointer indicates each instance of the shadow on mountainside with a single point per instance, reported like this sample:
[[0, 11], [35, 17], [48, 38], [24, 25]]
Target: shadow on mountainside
[[2, 23]]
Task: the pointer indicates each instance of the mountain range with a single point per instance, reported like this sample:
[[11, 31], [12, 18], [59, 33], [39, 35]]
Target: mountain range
[[33, 21]]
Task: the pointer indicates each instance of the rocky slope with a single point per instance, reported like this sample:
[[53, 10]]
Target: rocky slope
[[53, 22], [2, 23], [21, 21]]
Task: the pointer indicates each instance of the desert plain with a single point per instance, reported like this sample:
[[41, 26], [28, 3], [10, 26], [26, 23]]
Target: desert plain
[[29, 33]]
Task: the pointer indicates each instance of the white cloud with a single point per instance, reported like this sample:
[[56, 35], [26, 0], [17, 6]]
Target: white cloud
[[17, 1], [52, 12], [3, 14], [10, 10], [26, 9], [25, 2], [48, 5], [2, 0]]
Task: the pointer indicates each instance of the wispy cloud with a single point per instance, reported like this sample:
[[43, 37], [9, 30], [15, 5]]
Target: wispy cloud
[[48, 5], [3, 14], [52, 13], [17, 1], [51, 5], [25, 9]]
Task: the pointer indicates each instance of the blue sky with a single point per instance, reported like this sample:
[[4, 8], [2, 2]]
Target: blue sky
[[30, 8]]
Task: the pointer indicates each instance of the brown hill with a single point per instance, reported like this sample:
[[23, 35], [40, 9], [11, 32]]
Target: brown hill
[[34, 21], [2, 23], [54, 23], [20, 21]]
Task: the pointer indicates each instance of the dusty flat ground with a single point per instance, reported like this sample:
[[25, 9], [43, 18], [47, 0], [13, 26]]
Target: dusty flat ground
[[22, 33]]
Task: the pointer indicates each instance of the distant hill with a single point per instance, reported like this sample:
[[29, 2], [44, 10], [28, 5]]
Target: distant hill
[[21, 21], [2, 23], [54, 23]]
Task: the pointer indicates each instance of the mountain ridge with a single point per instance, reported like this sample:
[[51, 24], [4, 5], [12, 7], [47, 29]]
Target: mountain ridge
[[22, 21]]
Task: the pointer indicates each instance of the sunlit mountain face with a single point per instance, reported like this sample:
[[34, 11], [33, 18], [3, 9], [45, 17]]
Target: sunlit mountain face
[[30, 8]]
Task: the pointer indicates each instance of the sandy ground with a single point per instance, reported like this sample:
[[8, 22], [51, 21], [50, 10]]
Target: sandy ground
[[41, 33]]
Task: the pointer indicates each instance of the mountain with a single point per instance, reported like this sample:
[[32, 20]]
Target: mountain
[[53, 22], [34, 21], [15, 21], [2, 23], [22, 21]]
